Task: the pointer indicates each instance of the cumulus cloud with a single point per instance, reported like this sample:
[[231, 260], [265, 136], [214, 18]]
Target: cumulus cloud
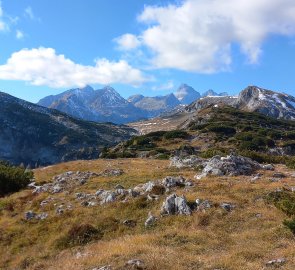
[[198, 35], [128, 42], [42, 66], [19, 34]]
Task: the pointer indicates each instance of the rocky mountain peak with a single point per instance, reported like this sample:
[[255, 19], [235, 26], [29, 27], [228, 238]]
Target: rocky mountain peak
[[186, 94]]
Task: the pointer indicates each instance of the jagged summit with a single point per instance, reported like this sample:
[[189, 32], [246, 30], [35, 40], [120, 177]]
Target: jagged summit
[[253, 99], [186, 94]]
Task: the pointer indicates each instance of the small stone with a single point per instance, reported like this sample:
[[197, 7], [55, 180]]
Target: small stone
[[41, 216], [119, 186], [136, 264], [150, 220], [276, 262], [129, 223], [227, 206], [105, 267], [278, 175], [30, 215]]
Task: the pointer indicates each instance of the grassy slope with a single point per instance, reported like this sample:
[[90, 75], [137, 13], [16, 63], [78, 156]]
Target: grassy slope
[[214, 239]]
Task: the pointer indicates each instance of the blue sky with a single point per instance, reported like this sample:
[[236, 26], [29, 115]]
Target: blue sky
[[147, 47]]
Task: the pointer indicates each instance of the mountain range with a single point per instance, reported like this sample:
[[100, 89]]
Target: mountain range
[[35, 135], [106, 105], [251, 99]]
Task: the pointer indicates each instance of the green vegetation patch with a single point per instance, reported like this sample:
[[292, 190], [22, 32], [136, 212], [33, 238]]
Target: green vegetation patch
[[13, 179]]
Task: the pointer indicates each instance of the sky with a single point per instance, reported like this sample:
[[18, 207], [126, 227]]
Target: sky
[[148, 47]]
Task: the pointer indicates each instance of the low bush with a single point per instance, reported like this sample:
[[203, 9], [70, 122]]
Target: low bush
[[175, 134], [13, 179], [79, 234]]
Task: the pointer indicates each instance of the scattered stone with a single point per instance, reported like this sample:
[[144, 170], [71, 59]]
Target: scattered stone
[[30, 215], [41, 216], [175, 205], [232, 165], [227, 206], [276, 262], [112, 172], [135, 264], [187, 162], [105, 267], [119, 186], [65, 181], [130, 223], [203, 205], [171, 181], [268, 167], [150, 220], [278, 175], [107, 197]]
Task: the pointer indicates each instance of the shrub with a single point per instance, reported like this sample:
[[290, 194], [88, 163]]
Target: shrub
[[290, 224], [175, 134], [223, 129], [79, 234], [214, 152], [13, 179]]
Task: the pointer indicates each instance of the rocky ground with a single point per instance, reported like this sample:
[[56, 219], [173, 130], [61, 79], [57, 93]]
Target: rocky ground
[[185, 213]]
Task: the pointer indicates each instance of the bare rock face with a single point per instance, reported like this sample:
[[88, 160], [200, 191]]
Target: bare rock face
[[176, 205], [231, 165]]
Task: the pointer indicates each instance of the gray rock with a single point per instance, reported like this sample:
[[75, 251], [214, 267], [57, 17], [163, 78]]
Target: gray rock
[[41, 216], [112, 172], [171, 181], [227, 206], [107, 197], [119, 186], [279, 175], [135, 264], [30, 215], [175, 205], [187, 162], [150, 220], [105, 267], [129, 223], [231, 165], [276, 262], [268, 167], [203, 205]]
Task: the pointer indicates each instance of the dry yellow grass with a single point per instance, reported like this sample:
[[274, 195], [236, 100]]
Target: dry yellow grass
[[206, 240]]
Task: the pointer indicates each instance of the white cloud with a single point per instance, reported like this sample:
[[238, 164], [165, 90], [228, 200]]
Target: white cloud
[[29, 13], [128, 42], [197, 35], [166, 86], [19, 34], [42, 66]]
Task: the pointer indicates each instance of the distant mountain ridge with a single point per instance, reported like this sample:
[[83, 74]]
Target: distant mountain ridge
[[251, 99], [35, 135], [107, 105]]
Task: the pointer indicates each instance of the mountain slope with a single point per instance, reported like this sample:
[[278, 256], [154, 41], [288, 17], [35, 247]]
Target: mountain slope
[[104, 105], [33, 134]]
